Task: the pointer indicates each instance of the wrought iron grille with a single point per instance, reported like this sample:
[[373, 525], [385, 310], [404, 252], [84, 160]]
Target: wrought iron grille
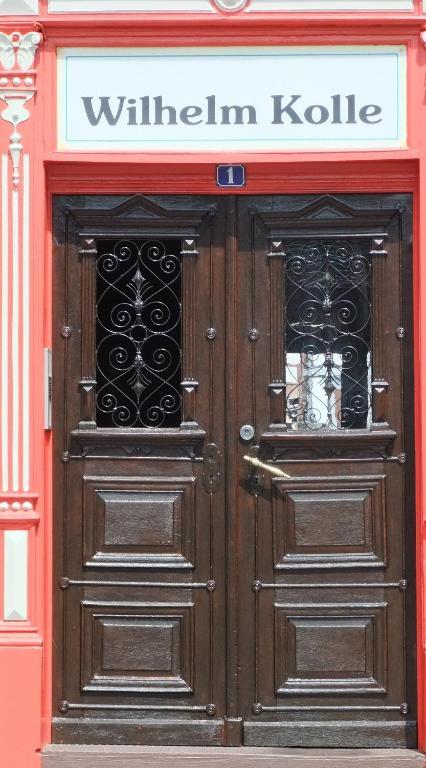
[[328, 334], [138, 333]]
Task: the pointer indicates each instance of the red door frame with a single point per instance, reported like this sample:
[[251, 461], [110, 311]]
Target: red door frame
[[267, 173]]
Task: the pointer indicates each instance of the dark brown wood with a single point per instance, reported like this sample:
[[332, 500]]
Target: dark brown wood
[[140, 578], [189, 385], [233, 732], [329, 523], [324, 646], [232, 544], [380, 385], [199, 602], [365, 732], [88, 253], [153, 731], [277, 386]]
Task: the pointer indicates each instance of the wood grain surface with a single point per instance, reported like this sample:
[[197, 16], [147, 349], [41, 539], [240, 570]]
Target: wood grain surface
[[57, 756]]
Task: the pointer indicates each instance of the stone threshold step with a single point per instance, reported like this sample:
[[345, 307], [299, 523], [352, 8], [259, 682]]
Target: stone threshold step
[[100, 756]]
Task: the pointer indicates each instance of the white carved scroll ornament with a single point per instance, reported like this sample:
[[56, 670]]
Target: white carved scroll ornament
[[17, 86], [18, 50], [230, 5]]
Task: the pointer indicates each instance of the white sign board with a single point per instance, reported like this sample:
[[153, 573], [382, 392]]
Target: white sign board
[[224, 99], [205, 6]]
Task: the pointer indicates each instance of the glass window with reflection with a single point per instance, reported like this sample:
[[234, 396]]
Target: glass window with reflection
[[328, 334]]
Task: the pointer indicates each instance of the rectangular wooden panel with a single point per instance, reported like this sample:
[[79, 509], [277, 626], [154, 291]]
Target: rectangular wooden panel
[[333, 522], [134, 522], [139, 650], [330, 649], [143, 518]]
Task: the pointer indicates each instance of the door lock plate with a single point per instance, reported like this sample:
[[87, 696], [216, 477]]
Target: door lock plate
[[211, 470]]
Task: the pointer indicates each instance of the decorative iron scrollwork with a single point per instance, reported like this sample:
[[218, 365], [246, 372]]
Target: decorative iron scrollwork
[[138, 333], [328, 334]]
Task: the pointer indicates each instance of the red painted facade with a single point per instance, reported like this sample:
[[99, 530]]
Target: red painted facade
[[26, 646]]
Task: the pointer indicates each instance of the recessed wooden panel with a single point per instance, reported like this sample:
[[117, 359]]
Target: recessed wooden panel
[[149, 518], [148, 644], [330, 648], [139, 523], [330, 518], [137, 649], [329, 522], [324, 644]]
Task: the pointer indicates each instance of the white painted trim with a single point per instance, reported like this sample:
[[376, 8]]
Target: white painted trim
[[16, 405], [135, 6], [18, 7], [230, 5], [5, 323], [204, 6], [15, 576], [329, 5], [26, 324]]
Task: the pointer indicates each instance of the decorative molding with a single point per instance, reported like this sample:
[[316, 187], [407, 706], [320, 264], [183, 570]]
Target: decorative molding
[[5, 323], [17, 86], [15, 587], [19, 519], [18, 50], [19, 510], [212, 6], [230, 5]]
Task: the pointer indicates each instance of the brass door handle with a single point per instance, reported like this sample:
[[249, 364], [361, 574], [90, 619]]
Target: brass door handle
[[268, 467]]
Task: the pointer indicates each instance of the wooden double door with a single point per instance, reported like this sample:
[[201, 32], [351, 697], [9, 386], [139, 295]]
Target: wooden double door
[[202, 597]]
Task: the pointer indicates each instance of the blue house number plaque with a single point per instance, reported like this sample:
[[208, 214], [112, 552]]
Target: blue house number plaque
[[231, 175]]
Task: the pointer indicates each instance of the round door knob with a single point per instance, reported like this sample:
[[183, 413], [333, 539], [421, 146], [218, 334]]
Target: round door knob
[[247, 432]]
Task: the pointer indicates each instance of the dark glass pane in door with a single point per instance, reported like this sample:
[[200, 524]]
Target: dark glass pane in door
[[138, 333]]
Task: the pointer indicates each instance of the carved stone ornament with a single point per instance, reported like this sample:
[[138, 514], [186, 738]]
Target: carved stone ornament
[[17, 86], [230, 5]]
